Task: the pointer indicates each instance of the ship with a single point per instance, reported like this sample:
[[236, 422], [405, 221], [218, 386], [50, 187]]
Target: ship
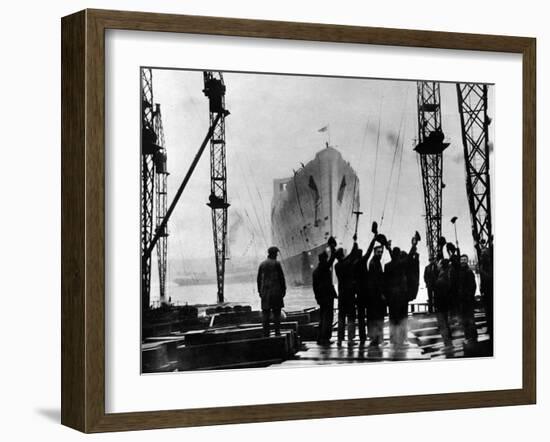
[[309, 207]]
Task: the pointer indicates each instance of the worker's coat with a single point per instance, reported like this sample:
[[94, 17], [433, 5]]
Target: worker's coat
[[347, 284], [395, 282], [466, 288], [376, 302], [323, 289], [271, 284]]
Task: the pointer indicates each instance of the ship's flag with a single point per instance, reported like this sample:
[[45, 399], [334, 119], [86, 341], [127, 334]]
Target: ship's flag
[[323, 129]]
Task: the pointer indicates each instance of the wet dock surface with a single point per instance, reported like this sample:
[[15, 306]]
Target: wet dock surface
[[235, 339], [320, 355], [424, 342]]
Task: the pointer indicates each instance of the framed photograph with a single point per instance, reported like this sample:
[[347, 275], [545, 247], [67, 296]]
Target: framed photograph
[[267, 221]]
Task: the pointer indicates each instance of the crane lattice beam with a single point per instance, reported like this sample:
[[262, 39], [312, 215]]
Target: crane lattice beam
[[214, 89], [148, 148], [161, 181], [472, 105], [430, 148]]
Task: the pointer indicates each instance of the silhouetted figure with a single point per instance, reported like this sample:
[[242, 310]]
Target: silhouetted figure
[[430, 276], [413, 274], [362, 280], [395, 289], [376, 301], [272, 289], [397, 292], [347, 289], [454, 269], [466, 295], [325, 294], [442, 301]]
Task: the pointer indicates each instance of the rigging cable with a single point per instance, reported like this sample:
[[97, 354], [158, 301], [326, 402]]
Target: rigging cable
[[258, 221], [392, 166], [347, 226], [400, 164], [397, 186], [376, 158], [359, 165]]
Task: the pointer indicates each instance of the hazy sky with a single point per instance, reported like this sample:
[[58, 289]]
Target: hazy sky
[[273, 127]]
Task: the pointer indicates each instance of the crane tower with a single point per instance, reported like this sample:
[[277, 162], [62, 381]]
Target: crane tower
[[214, 89], [161, 178], [472, 105], [148, 148], [430, 148]]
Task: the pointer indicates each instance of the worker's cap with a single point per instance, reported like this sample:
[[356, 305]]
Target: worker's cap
[[272, 250]]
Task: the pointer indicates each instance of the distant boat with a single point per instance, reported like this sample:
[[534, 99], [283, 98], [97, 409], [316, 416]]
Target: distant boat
[[317, 202]]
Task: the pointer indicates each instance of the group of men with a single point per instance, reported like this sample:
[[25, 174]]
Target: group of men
[[451, 286], [368, 291]]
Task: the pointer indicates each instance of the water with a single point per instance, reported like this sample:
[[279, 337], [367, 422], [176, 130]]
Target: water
[[297, 298]]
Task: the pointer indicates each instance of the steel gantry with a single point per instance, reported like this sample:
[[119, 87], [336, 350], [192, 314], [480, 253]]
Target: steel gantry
[[472, 106], [148, 149], [214, 89], [430, 147], [161, 179]]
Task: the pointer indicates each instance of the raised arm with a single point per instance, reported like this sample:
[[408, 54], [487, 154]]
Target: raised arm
[[414, 242], [368, 253], [332, 257]]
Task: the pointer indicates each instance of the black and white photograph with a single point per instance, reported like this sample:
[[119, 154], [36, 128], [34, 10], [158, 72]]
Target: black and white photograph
[[305, 220]]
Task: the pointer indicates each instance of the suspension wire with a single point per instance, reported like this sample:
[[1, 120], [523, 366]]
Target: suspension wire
[[399, 138], [400, 163], [376, 159], [259, 223], [249, 226], [359, 166], [254, 230], [254, 182], [392, 166], [397, 186]]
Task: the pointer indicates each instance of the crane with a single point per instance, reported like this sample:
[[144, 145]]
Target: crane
[[430, 148], [214, 89], [215, 92], [149, 148], [161, 181], [472, 105]]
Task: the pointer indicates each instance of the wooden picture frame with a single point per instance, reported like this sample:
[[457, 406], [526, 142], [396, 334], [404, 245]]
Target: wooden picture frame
[[83, 220]]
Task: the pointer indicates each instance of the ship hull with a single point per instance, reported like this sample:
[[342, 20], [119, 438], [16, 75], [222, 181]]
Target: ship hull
[[317, 202]]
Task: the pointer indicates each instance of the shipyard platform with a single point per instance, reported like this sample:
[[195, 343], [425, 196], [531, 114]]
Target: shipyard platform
[[228, 337]]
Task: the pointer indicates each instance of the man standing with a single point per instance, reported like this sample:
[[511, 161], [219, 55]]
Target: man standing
[[466, 295], [397, 293], [430, 276], [347, 290], [395, 289], [272, 289], [413, 274], [376, 302], [324, 295], [362, 281], [454, 296], [443, 302]]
